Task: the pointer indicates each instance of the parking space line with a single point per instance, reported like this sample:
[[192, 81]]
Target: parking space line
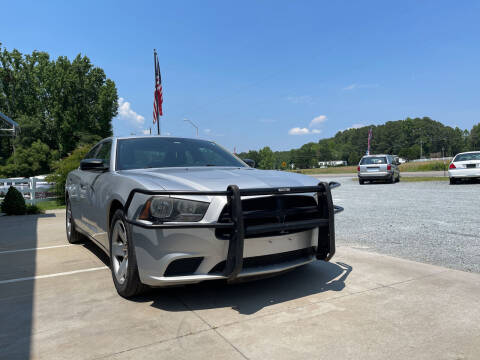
[[52, 275], [35, 249]]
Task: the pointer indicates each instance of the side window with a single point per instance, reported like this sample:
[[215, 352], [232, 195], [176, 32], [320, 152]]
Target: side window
[[105, 152], [92, 153]]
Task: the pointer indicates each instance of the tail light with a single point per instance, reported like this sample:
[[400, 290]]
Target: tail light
[[389, 167], [452, 166], [358, 168]]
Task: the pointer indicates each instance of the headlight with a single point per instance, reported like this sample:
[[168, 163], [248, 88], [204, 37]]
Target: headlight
[[161, 208]]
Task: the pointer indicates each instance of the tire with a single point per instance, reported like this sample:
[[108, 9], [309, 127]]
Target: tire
[[361, 182], [123, 262], [73, 236], [398, 178], [391, 180], [453, 181]]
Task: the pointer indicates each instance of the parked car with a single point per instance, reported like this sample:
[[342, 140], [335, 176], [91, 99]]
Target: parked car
[[378, 167], [173, 211], [465, 165]]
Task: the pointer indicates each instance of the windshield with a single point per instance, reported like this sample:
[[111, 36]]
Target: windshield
[[155, 152], [467, 157], [373, 160]]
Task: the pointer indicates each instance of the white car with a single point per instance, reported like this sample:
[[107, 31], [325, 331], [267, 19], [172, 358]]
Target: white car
[[465, 165]]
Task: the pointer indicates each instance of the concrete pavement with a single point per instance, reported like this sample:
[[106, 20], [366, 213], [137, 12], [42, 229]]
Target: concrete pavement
[[360, 306]]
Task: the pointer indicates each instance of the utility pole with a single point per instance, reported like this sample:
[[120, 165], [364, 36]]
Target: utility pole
[[195, 126]]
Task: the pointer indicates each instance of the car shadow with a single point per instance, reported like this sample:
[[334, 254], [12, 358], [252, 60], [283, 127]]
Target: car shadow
[[250, 297]]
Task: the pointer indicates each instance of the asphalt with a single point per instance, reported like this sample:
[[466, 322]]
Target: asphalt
[[362, 305], [431, 222]]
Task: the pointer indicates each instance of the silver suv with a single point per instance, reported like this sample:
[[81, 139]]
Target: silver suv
[[379, 167]]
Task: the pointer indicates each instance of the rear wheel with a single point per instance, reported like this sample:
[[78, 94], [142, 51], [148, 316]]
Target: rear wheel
[[361, 182], [73, 236], [391, 179], [122, 258], [398, 178], [453, 181]]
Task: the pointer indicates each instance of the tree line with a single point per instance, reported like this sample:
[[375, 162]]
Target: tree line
[[410, 138], [59, 105]]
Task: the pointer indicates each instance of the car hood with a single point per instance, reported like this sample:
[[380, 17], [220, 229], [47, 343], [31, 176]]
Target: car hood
[[215, 179]]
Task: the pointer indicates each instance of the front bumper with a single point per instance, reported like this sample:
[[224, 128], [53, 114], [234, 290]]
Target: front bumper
[[159, 247]]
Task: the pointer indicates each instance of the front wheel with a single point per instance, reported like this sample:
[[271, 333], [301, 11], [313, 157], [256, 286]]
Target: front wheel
[[73, 236], [123, 262]]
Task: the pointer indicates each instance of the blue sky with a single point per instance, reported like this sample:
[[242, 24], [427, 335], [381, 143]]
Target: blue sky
[[276, 73]]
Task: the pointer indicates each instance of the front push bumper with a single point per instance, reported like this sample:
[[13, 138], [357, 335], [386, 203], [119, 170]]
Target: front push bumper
[[196, 240]]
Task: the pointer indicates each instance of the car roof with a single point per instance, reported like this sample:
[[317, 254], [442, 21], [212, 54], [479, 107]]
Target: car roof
[[154, 136], [468, 152], [377, 155]]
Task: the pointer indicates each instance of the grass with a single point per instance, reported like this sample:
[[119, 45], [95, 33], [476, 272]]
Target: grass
[[407, 167], [49, 205], [424, 166]]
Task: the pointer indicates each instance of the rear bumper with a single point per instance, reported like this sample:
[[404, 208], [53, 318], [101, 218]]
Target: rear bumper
[[196, 254], [464, 173], [374, 175]]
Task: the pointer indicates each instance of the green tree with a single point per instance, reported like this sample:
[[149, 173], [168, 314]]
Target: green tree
[[29, 161], [474, 138], [60, 103], [267, 159], [64, 166]]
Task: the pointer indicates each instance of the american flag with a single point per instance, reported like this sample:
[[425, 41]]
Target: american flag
[[157, 95]]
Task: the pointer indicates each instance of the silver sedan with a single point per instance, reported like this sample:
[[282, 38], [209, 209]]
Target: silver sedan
[[173, 211]]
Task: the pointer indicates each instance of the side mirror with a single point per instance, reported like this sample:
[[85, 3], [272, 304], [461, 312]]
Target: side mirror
[[249, 162], [93, 165]]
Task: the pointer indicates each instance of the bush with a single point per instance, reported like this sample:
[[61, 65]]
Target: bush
[[33, 209], [63, 167], [14, 203]]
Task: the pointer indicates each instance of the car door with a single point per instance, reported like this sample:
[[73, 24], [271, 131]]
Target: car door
[[96, 187], [78, 191]]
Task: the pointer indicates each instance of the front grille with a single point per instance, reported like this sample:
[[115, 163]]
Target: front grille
[[273, 210], [274, 259]]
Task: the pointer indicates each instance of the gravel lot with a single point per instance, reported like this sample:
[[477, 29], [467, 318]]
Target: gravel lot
[[430, 222]]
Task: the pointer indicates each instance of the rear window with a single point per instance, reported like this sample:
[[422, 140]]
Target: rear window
[[467, 157], [373, 160]]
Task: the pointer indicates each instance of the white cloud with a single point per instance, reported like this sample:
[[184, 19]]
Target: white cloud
[[356, 126], [360, 86], [146, 132], [312, 127], [318, 120], [306, 99], [125, 112], [298, 131]]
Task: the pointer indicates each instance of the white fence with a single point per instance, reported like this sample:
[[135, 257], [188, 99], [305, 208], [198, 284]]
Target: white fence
[[34, 189]]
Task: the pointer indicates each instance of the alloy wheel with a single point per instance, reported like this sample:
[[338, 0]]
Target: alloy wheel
[[119, 252]]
